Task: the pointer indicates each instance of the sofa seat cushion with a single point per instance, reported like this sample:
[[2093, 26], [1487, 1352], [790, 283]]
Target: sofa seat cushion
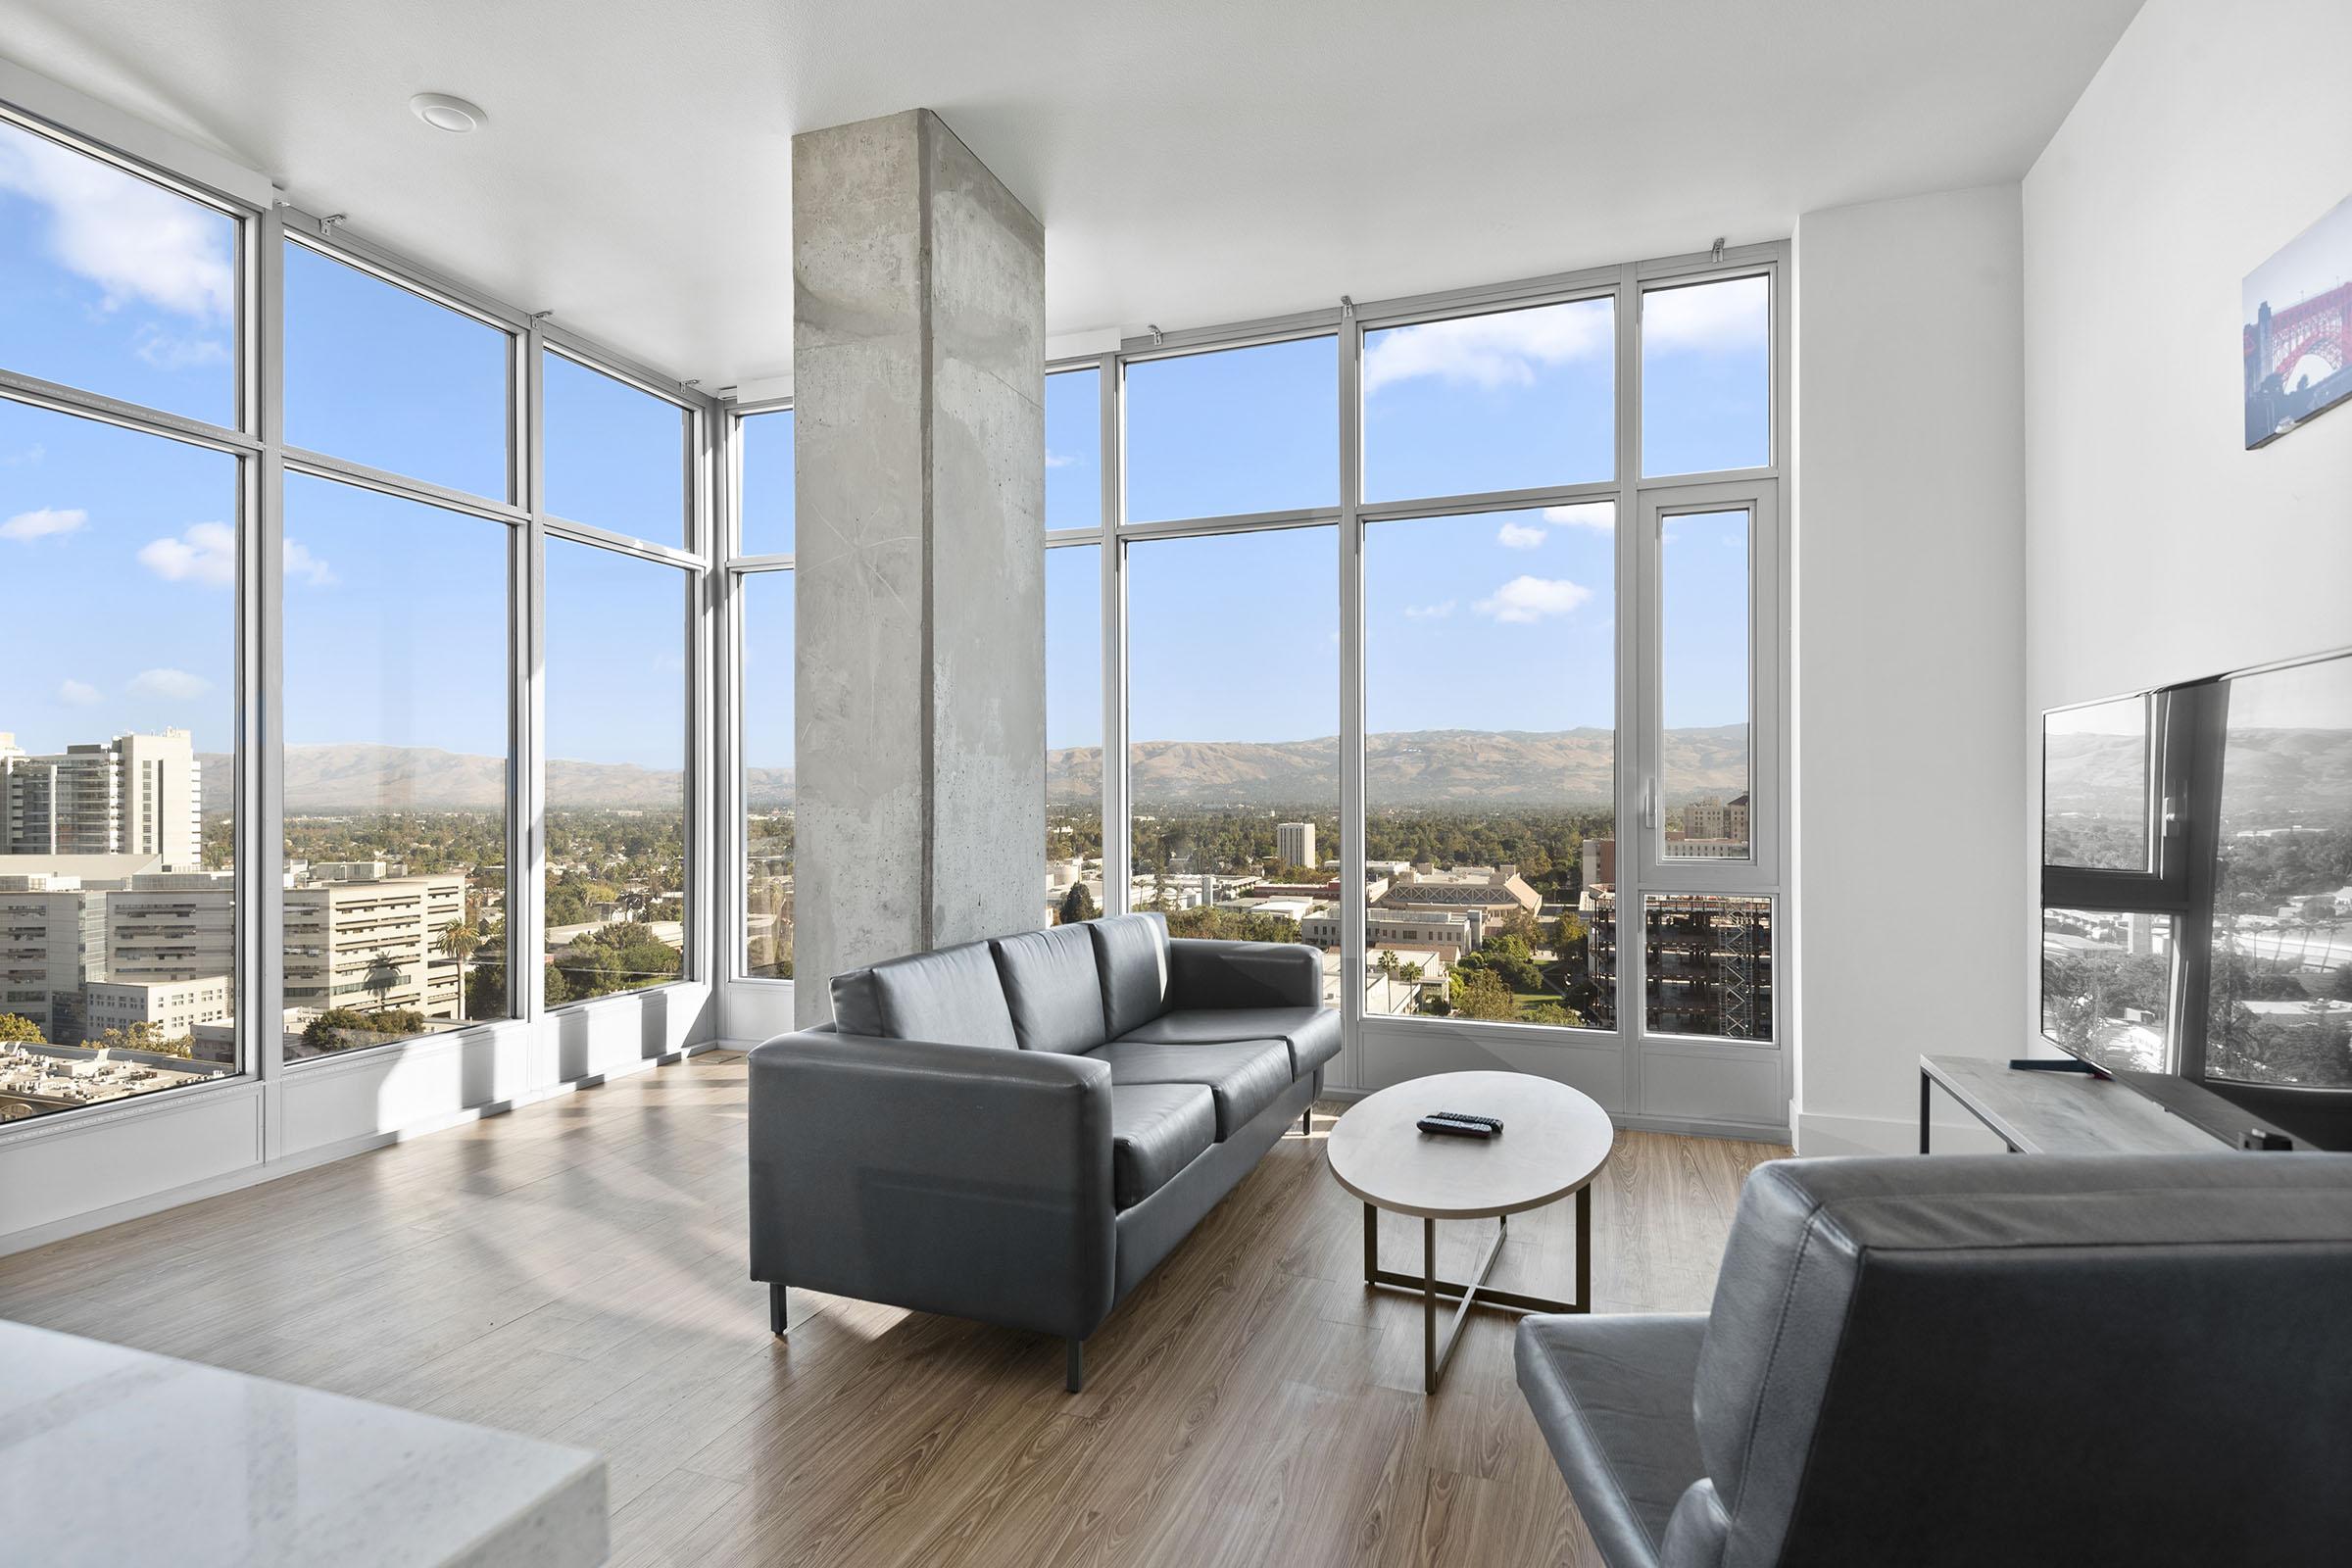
[[1156, 1131], [1312, 1033], [1614, 1398], [1244, 1076]]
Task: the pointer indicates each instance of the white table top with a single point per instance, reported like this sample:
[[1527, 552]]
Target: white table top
[[1554, 1141], [113, 1455]]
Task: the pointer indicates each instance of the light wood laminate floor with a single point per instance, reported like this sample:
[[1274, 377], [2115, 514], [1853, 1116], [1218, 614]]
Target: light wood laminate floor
[[574, 1270]]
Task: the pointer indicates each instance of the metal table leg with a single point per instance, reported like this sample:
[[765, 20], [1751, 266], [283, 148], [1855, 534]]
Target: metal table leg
[[1430, 1287]]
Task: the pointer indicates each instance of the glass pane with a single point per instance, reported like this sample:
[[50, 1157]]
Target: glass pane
[[118, 897], [1252, 430], [1073, 733], [1074, 449], [1703, 685], [1706, 376], [1233, 769], [2094, 786], [768, 795], [2282, 991], [1488, 803], [396, 773], [385, 377], [1509, 400], [615, 772], [2106, 985], [1709, 964], [113, 284], [767, 498], [616, 457]]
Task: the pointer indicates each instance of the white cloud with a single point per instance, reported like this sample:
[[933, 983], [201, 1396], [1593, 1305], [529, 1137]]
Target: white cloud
[[206, 553], [78, 693], [171, 350], [42, 522], [303, 567], [1710, 316], [172, 683], [1436, 612], [1056, 460], [1504, 349], [1529, 598], [1520, 535], [136, 241], [1600, 514], [32, 454]]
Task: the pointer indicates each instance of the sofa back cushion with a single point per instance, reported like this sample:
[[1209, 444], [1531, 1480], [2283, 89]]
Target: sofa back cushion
[[1881, 1329], [952, 996], [1132, 951], [1053, 986]]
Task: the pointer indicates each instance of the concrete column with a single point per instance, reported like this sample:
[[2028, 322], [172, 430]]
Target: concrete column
[[919, 391]]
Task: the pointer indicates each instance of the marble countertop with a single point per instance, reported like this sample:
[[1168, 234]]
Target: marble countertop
[[110, 1455]]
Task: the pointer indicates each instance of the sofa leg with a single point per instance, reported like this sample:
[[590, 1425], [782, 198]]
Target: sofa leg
[[775, 1309], [1075, 1378], [1306, 1123]]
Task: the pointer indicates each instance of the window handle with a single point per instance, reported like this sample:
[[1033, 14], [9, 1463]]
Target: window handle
[[1654, 804]]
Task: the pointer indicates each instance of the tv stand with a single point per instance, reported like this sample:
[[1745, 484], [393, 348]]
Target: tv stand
[[2061, 1111]]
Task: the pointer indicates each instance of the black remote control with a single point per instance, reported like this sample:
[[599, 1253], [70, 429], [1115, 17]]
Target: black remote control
[[1454, 1129], [1463, 1115]]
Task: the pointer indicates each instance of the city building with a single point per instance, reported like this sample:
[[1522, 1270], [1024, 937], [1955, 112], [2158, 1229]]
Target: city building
[[52, 945], [174, 1008], [131, 794], [1451, 933], [1295, 842], [375, 944], [1708, 963], [1480, 895]]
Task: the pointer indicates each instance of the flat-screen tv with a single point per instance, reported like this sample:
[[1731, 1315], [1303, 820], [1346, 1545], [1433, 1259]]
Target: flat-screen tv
[[2196, 937]]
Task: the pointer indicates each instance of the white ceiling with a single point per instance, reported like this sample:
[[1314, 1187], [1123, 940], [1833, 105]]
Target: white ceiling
[[1194, 161]]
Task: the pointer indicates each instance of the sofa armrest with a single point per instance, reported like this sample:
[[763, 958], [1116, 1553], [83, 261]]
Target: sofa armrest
[[1205, 974], [966, 1180]]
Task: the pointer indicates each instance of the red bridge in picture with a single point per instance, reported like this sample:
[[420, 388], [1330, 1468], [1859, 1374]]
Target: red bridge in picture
[[2320, 325]]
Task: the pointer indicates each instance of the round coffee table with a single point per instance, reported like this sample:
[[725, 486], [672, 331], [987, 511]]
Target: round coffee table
[[1553, 1143]]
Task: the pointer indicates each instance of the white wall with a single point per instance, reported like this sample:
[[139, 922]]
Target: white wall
[[1909, 656], [2158, 549]]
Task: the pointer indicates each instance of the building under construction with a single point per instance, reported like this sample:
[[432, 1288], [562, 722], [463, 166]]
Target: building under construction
[[1706, 961]]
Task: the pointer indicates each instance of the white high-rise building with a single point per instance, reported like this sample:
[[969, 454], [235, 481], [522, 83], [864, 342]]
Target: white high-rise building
[[132, 794], [1295, 842]]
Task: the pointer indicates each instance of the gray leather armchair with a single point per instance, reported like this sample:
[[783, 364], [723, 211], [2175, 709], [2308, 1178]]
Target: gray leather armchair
[[1018, 1131], [2009, 1360]]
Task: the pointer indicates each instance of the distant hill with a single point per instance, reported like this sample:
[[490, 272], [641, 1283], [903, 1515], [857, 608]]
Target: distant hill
[[1562, 767]]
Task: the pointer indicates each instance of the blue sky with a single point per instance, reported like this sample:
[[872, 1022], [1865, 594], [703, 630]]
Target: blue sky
[[1495, 621]]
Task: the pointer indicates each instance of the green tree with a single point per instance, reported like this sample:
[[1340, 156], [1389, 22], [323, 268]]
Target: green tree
[[1568, 932], [1480, 994], [1554, 1013], [2343, 987], [589, 970], [148, 1037], [19, 1030], [1077, 906]]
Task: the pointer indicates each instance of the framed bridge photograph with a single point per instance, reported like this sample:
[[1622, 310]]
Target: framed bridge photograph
[[2298, 329]]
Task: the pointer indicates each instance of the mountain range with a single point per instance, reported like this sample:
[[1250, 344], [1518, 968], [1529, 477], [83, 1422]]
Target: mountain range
[[2271, 777], [1560, 767]]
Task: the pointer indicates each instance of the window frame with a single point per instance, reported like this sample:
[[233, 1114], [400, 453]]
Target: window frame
[[266, 224]]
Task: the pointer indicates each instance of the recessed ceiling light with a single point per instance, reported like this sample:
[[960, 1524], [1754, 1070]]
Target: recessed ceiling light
[[444, 112]]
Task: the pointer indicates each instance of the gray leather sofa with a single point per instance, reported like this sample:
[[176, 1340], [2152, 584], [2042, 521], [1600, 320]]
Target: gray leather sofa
[[2008, 1358], [1017, 1131]]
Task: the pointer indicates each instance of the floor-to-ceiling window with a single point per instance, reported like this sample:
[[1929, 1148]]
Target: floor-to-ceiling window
[[343, 596], [760, 583], [126, 457]]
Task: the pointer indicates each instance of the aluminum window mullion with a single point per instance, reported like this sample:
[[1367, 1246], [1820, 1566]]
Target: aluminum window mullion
[[526, 881], [1236, 522], [260, 804], [301, 460], [1117, 842], [59, 398], [621, 544], [1348, 539], [1633, 753]]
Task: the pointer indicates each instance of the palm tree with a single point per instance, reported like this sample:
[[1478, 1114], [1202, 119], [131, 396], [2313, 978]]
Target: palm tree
[[382, 975], [459, 942]]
